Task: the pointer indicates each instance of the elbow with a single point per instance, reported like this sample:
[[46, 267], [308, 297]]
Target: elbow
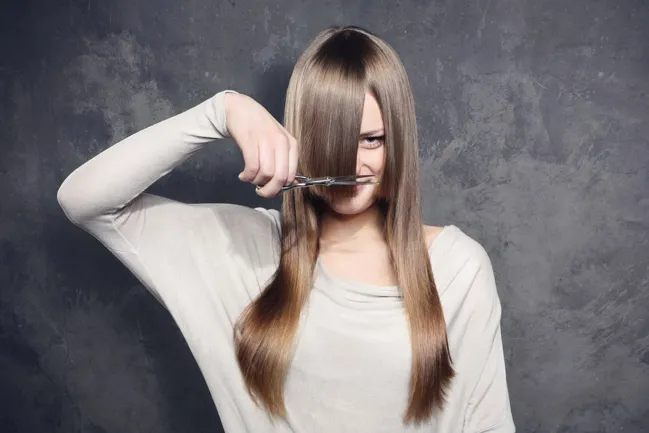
[[69, 200], [67, 203]]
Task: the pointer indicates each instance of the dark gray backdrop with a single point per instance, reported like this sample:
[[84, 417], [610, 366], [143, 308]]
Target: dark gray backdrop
[[533, 118]]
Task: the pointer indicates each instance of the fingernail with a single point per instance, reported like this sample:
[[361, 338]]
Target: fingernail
[[240, 176]]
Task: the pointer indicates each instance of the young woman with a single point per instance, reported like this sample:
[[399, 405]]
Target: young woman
[[325, 317]]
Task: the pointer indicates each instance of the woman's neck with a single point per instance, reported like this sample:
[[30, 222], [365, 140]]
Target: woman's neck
[[337, 229]]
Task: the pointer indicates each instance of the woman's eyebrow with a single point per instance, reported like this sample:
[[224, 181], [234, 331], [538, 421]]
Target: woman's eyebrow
[[376, 131]]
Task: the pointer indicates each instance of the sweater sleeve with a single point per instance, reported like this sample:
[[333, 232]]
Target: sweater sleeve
[[162, 241], [105, 185], [489, 406]]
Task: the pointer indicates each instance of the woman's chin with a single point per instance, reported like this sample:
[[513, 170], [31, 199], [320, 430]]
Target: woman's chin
[[358, 203]]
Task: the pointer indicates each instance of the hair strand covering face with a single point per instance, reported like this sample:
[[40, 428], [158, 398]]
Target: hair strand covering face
[[324, 107]]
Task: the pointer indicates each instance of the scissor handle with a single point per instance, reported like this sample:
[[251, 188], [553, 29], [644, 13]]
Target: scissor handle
[[295, 185], [307, 181]]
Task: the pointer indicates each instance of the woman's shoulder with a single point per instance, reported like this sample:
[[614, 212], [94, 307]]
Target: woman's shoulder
[[233, 226], [456, 242], [250, 233], [456, 255], [431, 233], [246, 220], [272, 215]]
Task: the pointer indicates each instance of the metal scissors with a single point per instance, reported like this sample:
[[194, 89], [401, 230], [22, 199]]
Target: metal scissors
[[305, 181]]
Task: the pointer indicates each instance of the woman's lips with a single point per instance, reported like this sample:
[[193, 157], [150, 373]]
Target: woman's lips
[[358, 187]]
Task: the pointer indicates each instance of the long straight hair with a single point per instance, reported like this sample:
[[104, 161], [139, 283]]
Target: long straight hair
[[324, 106]]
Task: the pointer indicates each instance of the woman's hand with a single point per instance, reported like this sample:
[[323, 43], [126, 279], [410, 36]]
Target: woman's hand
[[269, 151]]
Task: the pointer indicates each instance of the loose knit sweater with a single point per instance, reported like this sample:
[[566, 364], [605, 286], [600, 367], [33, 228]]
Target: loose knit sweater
[[206, 262]]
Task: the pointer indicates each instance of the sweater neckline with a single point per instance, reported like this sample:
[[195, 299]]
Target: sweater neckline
[[365, 295]]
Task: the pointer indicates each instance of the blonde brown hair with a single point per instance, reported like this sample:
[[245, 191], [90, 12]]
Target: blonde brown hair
[[323, 111]]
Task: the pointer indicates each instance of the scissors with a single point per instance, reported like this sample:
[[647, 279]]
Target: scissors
[[305, 181]]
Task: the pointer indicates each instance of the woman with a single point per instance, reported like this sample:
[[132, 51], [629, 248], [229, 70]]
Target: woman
[[324, 317]]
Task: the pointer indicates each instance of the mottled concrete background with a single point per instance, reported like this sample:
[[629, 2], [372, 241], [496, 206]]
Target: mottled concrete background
[[534, 131]]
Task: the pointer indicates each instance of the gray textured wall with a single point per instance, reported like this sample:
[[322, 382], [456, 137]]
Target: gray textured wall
[[533, 117]]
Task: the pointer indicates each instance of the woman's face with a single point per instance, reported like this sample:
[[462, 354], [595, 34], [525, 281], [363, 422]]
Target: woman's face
[[370, 160]]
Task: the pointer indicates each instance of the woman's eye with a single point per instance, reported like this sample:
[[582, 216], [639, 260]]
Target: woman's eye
[[373, 142]]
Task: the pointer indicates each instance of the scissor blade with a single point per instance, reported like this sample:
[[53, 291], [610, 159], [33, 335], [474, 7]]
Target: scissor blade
[[352, 182], [351, 178]]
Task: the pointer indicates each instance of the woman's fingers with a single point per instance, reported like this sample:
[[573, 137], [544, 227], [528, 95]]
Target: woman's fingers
[[279, 177], [270, 153], [266, 162], [251, 162]]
